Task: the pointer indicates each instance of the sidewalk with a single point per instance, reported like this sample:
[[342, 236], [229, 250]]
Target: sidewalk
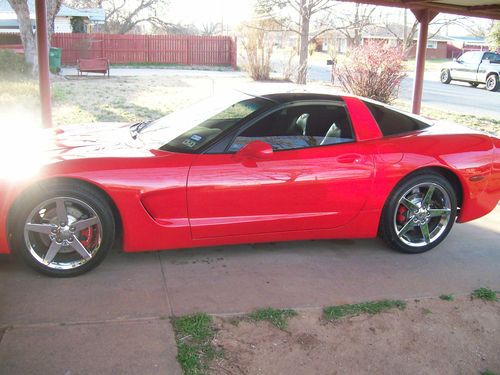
[[114, 320], [138, 72]]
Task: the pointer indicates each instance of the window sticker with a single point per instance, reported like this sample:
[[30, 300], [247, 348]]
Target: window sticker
[[189, 143], [196, 137]]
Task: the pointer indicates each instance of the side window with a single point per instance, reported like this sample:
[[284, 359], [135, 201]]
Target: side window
[[476, 57], [466, 58], [299, 127], [492, 57], [393, 122]]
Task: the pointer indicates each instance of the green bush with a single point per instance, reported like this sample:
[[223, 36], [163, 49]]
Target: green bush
[[12, 63]]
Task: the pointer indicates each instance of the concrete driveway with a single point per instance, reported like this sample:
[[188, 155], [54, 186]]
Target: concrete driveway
[[115, 318]]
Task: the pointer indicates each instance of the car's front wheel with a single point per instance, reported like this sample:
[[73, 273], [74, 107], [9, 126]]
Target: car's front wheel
[[492, 83], [445, 76], [419, 213], [64, 229]]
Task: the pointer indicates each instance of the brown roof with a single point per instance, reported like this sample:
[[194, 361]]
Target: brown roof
[[396, 31]]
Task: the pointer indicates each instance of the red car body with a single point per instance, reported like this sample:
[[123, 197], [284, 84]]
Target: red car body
[[166, 200]]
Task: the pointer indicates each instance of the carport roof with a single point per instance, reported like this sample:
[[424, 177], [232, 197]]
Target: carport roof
[[473, 8]]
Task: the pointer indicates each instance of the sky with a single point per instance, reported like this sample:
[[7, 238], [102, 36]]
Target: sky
[[198, 12], [233, 12]]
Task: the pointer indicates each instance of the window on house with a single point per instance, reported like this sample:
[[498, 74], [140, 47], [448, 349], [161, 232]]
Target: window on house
[[432, 44]]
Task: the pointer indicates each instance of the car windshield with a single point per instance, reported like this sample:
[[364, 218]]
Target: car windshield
[[191, 128]]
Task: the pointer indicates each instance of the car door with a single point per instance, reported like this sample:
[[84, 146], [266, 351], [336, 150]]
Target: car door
[[465, 68], [316, 176]]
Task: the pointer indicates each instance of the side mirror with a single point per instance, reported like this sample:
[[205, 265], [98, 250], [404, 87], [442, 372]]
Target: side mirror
[[454, 59], [255, 150]]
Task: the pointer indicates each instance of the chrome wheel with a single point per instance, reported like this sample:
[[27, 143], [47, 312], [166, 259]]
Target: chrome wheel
[[445, 76], [492, 83], [63, 233], [422, 214]]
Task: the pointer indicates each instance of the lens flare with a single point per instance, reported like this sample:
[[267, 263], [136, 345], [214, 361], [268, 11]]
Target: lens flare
[[22, 144]]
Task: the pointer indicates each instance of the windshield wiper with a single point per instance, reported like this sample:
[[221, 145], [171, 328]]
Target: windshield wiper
[[137, 127]]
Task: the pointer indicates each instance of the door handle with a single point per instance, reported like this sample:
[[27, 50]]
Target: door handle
[[349, 158]]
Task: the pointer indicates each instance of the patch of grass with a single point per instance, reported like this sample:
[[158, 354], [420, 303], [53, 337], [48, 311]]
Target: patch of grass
[[193, 336], [426, 311], [488, 372], [276, 317], [375, 307], [446, 297], [431, 65], [485, 294]]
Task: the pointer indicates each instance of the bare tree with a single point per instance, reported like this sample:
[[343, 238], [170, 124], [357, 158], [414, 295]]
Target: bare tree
[[210, 28], [26, 27], [475, 27], [162, 27], [296, 16], [406, 35], [123, 16], [352, 24]]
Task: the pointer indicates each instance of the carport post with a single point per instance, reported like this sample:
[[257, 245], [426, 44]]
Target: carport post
[[424, 16], [42, 40]]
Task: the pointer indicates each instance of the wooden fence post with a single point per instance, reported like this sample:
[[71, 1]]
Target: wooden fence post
[[234, 53]]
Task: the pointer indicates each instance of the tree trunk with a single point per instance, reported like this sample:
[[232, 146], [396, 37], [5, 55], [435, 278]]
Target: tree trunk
[[304, 43], [25, 31], [53, 7], [26, 28]]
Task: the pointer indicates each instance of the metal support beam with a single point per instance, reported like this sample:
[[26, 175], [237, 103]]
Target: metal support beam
[[424, 16], [42, 40]]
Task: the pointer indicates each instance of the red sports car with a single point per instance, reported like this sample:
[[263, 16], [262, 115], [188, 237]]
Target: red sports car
[[244, 168]]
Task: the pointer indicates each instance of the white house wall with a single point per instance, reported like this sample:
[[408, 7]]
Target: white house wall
[[62, 25]]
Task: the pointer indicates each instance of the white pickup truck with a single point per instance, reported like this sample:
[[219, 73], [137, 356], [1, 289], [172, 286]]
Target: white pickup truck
[[474, 67]]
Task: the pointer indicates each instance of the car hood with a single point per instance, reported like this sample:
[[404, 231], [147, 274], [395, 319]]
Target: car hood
[[91, 141]]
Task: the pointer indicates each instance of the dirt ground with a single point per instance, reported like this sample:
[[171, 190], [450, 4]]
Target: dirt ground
[[430, 337]]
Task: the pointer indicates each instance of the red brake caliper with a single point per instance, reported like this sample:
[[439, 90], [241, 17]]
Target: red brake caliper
[[401, 216], [87, 236]]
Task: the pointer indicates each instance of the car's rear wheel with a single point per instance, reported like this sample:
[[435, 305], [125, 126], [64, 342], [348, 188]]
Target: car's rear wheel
[[445, 76], [419, 213], [492, 83], [64, 229], [474, 84]]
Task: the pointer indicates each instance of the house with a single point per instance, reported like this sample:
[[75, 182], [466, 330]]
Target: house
[[62, 22], [460, 44], [392, 34]]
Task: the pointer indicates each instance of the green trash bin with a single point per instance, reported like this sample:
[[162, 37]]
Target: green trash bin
[[55, 59]]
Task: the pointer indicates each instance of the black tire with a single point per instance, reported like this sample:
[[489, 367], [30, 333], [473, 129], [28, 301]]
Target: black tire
[[397, 217], [474, 84], [94, 229], [445, 76], [492, 83]]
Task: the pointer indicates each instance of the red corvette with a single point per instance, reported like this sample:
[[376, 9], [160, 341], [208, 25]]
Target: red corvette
[[244, 169]]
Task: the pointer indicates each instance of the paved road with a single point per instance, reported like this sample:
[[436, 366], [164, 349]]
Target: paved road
[[455, 97], [113, 319]]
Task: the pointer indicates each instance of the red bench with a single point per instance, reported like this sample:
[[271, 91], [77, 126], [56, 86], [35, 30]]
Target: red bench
[[98, 65]]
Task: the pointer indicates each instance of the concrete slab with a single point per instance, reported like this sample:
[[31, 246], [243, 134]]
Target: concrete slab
[[113, 348], [123, 286], [319, 273], [145, 72]]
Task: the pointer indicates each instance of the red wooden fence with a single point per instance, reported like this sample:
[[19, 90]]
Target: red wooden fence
[[164, 49]]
